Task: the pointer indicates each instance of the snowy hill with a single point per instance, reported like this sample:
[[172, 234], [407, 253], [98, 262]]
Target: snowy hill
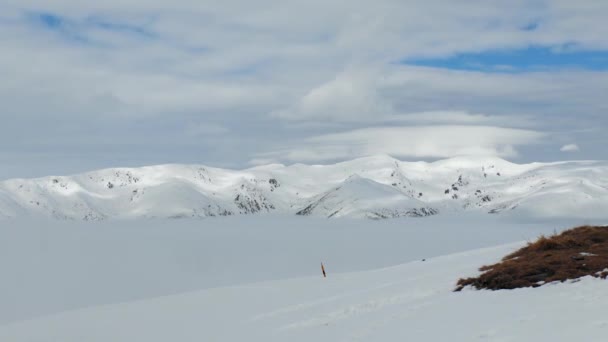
[[259, 279], [410, 302], [372, 187]]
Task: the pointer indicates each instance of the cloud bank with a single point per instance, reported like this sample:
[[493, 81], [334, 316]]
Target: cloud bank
[[411, 142], [99, 84]]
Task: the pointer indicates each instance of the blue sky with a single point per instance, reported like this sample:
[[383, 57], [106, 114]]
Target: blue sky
[[49, 20], [77, 29], [531, 58], [236, 83]]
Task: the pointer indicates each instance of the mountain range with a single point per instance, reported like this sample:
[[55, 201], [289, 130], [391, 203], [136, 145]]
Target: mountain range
[[376, 187]]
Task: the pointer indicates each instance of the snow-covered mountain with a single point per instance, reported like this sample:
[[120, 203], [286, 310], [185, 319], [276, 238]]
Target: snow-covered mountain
[[371, 187]]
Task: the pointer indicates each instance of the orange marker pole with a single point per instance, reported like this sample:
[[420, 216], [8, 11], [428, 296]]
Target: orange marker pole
[[323, 270]]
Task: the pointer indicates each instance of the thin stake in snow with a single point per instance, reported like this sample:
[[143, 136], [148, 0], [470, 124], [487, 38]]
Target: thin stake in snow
[[323, 270]]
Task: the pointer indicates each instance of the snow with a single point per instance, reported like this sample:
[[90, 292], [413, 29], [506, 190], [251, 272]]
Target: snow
[[359, 197], [413, 301], [259, 279], [371, 187]]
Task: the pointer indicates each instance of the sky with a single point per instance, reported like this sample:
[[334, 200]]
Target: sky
[[236, 83]]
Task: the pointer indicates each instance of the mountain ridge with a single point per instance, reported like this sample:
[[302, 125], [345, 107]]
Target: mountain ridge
[[369, 187]]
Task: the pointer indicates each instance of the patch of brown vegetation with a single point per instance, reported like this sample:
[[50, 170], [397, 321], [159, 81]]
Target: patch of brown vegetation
[[572, 254]]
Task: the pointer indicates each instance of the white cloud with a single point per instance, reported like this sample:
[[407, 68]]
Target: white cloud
[[351, 96], [262, 161], [570, 148], [419, 142], [445, 116], [437, 96], [459, 117]]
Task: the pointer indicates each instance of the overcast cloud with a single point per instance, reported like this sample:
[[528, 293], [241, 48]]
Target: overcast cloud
[[88, 85]]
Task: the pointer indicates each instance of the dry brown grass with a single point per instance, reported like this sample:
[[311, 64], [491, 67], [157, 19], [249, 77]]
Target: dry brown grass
[[572, 254]]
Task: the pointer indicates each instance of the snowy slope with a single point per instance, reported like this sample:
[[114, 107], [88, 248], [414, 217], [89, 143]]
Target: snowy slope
[[411, 302], [372, 187], [50, 266], [363, 197]]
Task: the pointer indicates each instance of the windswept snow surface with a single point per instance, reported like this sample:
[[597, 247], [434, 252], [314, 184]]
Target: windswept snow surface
[[372, 187], [259, 279]]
